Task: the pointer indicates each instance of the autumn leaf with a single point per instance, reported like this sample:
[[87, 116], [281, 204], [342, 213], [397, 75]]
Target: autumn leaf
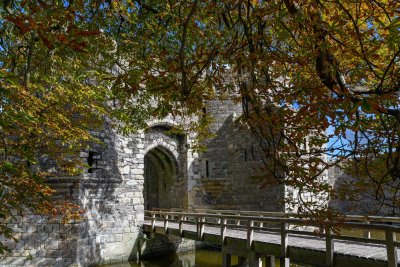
[[87, 33]]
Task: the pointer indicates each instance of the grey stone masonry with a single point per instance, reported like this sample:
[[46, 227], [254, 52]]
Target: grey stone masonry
[[149, 169], [230, 170], [111, 192]]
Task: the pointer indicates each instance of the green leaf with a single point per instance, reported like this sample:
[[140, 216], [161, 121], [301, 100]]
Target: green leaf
[[366, 106]]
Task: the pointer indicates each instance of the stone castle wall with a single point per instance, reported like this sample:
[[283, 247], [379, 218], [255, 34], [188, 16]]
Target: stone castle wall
[[111, 193], [351, 199], [113, 190], [229, 171], [41, 242]]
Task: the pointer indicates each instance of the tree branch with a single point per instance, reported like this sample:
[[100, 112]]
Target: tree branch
[[182, 64]]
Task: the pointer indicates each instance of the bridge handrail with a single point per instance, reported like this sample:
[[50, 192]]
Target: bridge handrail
[[284, 222], [297, 221], [372, 218]]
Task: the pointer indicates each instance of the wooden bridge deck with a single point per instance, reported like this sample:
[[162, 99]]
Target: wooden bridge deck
[[299, 247]]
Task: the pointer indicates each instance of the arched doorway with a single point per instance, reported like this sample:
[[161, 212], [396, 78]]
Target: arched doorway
[[160, 172]]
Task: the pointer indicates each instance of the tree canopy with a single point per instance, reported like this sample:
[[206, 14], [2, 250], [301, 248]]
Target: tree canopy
[[322, 71], [48, 103]]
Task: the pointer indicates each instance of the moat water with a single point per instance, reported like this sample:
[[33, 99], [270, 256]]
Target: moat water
[[198, 258]]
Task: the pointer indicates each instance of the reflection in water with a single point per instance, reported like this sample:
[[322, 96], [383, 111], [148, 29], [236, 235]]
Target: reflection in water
[[198, 258]]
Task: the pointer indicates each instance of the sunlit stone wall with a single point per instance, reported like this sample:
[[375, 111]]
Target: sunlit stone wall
[[230, 173], [112, 191]]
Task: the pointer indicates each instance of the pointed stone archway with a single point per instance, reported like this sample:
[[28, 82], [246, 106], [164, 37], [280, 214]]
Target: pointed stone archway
[[160, 173]]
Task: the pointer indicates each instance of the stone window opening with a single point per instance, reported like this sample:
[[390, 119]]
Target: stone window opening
[[91, 161]]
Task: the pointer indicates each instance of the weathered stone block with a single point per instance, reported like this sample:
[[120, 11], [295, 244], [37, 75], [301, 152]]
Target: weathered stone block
[[51, 244], [54, 253], [45, 262]]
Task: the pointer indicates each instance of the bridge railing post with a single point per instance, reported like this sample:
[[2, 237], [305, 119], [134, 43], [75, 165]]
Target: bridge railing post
[[250, 233], [181, 225], [321, 230], [200, 227], [238, 220], [223, 230], [367, 232], [391, 249], [166, 217], [284, 260], [329, 246], [153, 222]]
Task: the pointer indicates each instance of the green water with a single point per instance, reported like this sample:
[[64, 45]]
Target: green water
[[198, 258]]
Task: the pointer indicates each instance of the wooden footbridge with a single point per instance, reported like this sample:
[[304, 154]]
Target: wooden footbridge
[[256, 235]]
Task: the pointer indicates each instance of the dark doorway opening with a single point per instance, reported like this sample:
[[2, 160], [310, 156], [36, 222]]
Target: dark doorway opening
[[160, 171]]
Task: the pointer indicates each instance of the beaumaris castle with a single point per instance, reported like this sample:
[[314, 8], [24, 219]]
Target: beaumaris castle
[[151, 169]]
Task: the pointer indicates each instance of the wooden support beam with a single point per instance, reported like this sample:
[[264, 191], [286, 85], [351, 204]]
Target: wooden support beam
[[270, 261], [200, 227], [223, 231], [330, 248], [226, 260], [166, 217], [391, 249], [197, 226], [367, 232], [284, 260], [153, 222], [181, 226], [254, 260], [242, 261], [250, 233]]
